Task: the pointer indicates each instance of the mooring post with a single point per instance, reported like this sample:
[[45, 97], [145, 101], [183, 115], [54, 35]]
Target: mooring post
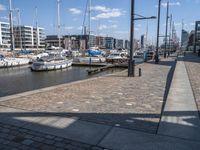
[[140, 72]]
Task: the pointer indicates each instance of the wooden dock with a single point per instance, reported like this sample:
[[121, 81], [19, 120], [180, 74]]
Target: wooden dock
[[99, 67], [89, 65], [96, 70]]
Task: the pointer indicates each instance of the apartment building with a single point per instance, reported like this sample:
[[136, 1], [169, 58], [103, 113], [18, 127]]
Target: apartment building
[[28, 37], [4, 35]]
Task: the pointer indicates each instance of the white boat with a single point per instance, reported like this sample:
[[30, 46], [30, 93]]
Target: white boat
[[138, 56], [51, 64], [88, 60], [13, 62], [35, 57], [117, 57]]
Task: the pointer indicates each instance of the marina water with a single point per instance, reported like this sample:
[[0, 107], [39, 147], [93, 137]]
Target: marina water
[[21, 79]]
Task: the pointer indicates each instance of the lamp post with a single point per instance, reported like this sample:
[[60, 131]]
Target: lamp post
[[195, 37], [170, 33], [131, 61], [158, 32], [12, 46], [166, 31], [131, 64]]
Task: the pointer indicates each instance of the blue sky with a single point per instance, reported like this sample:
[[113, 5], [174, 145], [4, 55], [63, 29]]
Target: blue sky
[[109, 17]]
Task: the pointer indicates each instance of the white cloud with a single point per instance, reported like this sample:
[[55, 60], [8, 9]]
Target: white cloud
[[4, 18], [177, 24], [137, 29], [122, 32], [2, 7], [112, 21], [106, 13], [69, 28], [170, 4], [75, 11], [80, 28], [104, 27], [192, 24], [100, 8]]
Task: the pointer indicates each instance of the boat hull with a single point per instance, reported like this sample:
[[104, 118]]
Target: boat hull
[[13, 62], [88, 60], [116, 60], [49, 66]]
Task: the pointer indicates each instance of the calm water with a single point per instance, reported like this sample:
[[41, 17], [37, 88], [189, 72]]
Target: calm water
[[21, 79]]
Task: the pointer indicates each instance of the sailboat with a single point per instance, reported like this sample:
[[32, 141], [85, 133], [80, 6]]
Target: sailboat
[[52, 62], [93, 54], [6, 62]]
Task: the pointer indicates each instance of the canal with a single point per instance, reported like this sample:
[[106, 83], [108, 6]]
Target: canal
[[21, 79]]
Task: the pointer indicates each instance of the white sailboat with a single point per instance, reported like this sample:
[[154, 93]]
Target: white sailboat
[[117, 56], [6, 62], [48, 64], [88, 58], [54, 62]]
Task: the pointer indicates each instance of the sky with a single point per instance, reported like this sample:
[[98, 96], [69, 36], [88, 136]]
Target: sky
[[108, 17]]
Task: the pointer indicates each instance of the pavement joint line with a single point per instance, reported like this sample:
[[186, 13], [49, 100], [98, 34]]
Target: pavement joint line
[[98, 143]]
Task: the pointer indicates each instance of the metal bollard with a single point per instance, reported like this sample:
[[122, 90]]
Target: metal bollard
[[140, 72]]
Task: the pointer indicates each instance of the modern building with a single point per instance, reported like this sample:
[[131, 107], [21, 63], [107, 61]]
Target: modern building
[[28, 37], [82, 42], [109, 42], [52, 40], [100, 42], [118, 44], [72, 42], [184, 38], [197, 36], [92, 41], [4, 35], [126, 44], [142, 41], [191, 40]]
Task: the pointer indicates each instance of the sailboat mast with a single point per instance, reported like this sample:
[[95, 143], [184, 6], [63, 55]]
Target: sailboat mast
[[19, 28], [58, 9], [37, 31], [89, 16], [147, 32], [12, 46], [89, 22]]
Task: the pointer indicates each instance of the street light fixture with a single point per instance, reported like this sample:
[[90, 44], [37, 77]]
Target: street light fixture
[[143, 18], [166, 31]]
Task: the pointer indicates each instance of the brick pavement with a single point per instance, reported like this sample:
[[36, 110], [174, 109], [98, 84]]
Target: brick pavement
[[116, 100], [17, 138]]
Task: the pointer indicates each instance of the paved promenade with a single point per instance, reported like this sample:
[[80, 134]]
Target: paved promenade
[[113, 112]]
